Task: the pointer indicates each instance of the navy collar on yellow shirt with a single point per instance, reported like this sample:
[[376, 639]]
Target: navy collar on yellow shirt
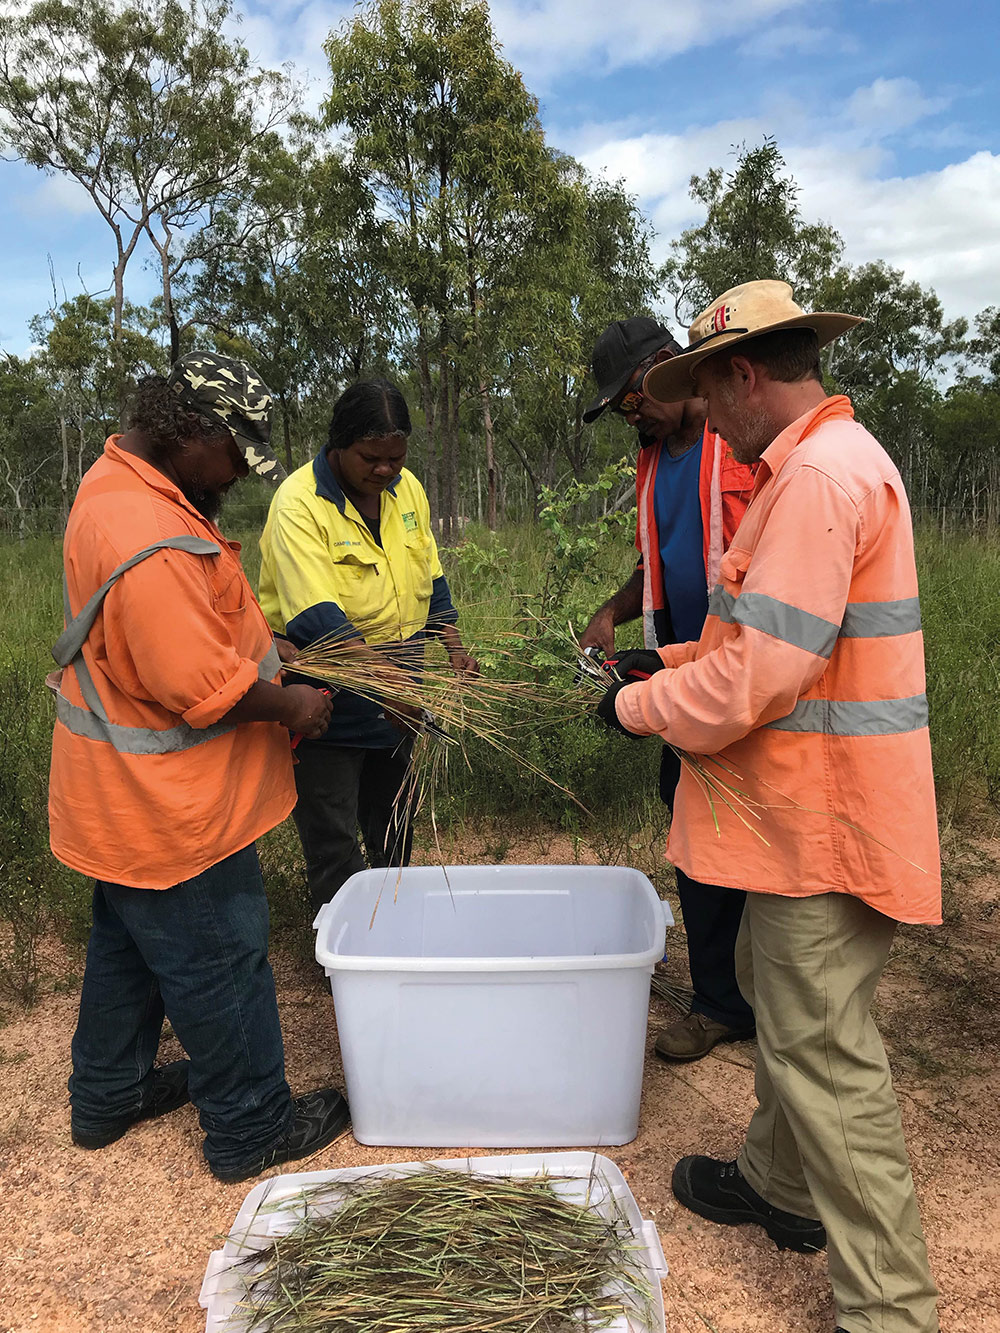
[[329, 487]]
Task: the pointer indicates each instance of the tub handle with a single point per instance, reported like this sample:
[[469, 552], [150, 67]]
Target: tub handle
[[654, 1250], [218, 1263]]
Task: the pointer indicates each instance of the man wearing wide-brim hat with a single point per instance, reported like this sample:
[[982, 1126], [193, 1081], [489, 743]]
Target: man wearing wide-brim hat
[[804, 702]]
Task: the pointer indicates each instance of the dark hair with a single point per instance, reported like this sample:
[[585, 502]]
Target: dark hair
[[788, 355], [368, 408], [159, 414]]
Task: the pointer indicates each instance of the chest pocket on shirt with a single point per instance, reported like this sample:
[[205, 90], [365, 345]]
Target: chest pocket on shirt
[[736, 477], [350, 565], [418, 550], [229, 590], [356, 585], [732, 570]]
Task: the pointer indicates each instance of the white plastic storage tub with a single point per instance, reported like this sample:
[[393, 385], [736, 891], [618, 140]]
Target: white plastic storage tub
[[493, 1006], [274, 1206]]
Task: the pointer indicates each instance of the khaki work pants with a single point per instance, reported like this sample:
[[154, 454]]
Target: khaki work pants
[[826, 1139]]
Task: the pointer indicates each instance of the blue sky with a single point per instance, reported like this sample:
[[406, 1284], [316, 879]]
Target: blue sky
[[886, 110]]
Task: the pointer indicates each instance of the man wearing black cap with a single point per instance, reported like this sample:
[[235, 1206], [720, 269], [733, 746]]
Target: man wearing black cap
[[691, 494]]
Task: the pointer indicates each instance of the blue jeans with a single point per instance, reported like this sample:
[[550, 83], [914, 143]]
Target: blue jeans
[[198, 953], [712, 916]]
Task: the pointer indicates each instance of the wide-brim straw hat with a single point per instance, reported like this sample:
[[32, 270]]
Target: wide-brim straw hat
[[743, 312]]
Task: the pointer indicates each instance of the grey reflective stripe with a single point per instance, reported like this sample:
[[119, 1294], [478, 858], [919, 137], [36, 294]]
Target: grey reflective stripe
[[147, 740], [788, 623], [87, 687], [71, 640], [880, 620], [853, 717], [721, 604], [648, 629], [83, 678], [270, 663], [92, 722], [134, 740]]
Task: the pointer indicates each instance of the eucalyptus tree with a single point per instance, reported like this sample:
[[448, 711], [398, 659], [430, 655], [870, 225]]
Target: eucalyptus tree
[[148, 107], [753, 229], [448, 139]]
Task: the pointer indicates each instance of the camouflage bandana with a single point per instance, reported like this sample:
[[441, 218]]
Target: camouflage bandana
[[227, 391]]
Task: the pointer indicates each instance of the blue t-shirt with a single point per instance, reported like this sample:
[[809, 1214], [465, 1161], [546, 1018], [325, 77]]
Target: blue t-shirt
[[677, 505]]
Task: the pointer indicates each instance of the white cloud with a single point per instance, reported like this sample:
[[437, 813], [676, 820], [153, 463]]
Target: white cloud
[[56, 195], [889, 105], [781, 39], [658, 167], [555, 36], [283, 31], [941, 227]]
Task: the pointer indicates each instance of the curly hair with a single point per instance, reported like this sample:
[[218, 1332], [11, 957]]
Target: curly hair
[[164, 420]]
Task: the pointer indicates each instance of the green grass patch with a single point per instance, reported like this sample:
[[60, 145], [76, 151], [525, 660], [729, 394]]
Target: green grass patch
[[498, 580]]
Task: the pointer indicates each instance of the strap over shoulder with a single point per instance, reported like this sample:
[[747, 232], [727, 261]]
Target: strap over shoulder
[[72, 639]]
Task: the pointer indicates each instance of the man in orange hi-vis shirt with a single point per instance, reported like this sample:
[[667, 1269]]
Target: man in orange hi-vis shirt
[[170, 756], [805, 692]]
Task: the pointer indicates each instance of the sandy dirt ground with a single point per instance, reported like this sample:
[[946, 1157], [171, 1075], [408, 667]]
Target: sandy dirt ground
[[118, 1239]]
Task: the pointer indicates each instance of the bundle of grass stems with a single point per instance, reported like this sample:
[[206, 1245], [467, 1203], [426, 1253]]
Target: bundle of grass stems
[[440, 1251], [499, 706], [496, 708]]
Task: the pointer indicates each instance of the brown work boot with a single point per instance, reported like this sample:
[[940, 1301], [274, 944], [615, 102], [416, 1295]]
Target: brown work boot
[[692, 1037]]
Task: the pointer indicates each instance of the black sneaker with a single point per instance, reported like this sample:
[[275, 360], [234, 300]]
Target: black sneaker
[[716, 1190], [169, 1090], [319, 1117]]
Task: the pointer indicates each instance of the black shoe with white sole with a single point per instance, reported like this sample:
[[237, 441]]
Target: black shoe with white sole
[[717, 1191], [319, 1117]]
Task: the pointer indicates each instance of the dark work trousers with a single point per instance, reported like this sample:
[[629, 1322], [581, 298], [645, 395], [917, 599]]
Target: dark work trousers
[[341, 787], [197, 952], [712, 916]]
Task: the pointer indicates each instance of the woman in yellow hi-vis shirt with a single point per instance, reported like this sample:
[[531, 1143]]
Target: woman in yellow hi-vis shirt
[[348, 550]]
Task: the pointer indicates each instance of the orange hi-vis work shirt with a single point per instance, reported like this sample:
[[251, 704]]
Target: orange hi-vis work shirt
[[806, 688], [148, 787]]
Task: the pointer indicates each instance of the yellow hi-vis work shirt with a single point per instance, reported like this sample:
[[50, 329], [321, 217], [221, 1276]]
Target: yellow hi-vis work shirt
[[323, 573]]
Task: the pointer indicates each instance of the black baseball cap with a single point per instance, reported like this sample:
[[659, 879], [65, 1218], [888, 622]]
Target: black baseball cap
[[616, 354]]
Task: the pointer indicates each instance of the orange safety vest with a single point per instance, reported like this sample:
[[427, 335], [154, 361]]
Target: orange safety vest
[[724, 488], [806, 688], [148, 786]]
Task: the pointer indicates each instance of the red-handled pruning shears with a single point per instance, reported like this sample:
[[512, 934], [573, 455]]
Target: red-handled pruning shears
[[299, 734], [594, 664], [610, 667]]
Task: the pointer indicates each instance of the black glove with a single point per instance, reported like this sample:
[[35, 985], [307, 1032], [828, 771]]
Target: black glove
[[606, 710], [639, 664]]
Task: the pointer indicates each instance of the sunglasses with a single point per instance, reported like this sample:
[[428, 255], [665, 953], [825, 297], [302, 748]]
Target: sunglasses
[[631, 402]]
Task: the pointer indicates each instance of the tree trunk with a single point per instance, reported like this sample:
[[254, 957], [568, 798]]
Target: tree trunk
[[427, 403], [116, 331], [444, 425], [491, 467], [64, 470], [454, 398], [286, 431], [530, 478]]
